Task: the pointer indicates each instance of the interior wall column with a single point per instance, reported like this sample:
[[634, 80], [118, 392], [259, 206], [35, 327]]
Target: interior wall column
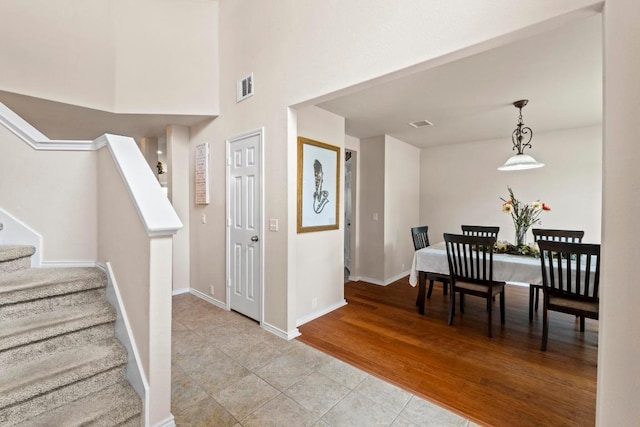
[[149, 148], [178, 190]]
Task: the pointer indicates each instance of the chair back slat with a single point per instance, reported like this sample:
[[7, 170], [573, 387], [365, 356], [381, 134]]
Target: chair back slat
[[572, 236], [480, 231], [570, 270], [420, 236], [470, 257]]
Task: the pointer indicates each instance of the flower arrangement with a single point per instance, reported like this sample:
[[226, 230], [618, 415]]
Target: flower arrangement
[[531, 250], [523, 215]]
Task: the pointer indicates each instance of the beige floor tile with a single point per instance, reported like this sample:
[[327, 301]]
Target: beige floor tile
[[307, 354], [280, 412], [404, 422], [251, 355], [358, 410], [424, 413], [206, 413], [243, 397], [384, 393], [343, 373], [230, 372], [284, 371], [317, 393], [213, 373], [184, 390]]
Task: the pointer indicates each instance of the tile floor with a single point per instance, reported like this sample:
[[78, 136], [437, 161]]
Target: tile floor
[[227, 371]]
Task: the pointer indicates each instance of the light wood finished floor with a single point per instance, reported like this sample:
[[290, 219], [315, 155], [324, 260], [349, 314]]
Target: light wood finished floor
[[502, 381]]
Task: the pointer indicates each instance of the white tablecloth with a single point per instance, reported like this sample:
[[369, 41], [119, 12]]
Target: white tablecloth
[[506, 268]]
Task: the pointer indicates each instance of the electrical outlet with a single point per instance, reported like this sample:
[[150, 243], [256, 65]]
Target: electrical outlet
[[203, 218], [212, 290], [314, 303], [402, 267]]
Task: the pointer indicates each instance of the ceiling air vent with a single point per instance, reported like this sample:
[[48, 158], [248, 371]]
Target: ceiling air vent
[[244, 87], [421, 124]]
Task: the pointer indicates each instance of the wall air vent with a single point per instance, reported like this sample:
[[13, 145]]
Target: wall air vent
[[244, 88], [421, 124]]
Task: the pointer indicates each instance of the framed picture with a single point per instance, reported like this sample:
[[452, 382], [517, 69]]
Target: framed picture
[[318, 185]]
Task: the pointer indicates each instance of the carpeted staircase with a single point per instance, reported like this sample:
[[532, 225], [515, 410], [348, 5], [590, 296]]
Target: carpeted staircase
[[60, 363]]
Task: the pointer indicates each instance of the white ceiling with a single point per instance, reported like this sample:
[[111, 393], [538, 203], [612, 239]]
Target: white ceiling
[[471, 99]]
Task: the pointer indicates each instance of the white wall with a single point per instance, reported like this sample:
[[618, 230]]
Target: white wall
[[389, 176], [127, 56], [179, 182], [54, 193], [460, 184], [372, 213], [401, 205], [67, 54], [619, 328], [166, 56], [319, 255]]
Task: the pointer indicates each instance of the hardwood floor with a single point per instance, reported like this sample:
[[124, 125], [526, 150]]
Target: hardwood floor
[[501, 381]]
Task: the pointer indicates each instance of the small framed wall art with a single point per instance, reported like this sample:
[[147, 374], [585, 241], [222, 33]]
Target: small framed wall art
[[318, 185]]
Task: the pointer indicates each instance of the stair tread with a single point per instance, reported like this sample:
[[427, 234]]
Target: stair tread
[[34, 377], [52, 323], [110, 406], [33, 283], [11, 252]]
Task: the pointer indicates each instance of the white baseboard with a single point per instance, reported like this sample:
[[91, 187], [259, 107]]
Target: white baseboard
[[384, 282], [279, 332], [180, 291], [320, 313], [209, 299]]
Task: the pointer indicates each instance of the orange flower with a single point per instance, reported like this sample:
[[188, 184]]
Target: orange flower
[[545, 207]]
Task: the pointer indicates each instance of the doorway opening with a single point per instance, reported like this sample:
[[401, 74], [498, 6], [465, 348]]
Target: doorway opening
[[349, 214]]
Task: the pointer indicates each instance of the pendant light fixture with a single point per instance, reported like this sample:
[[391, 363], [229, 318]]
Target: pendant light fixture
[[521, 138]]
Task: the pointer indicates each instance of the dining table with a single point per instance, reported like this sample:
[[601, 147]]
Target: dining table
[[520, 270]]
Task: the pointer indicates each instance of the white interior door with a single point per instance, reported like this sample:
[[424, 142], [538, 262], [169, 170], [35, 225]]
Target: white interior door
[[244, 242]]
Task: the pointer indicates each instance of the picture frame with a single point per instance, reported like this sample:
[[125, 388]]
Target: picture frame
[[318, 186]]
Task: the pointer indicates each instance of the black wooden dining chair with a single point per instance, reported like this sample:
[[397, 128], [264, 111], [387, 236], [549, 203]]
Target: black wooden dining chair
[[480, 231], [570, 280], [572, 236], [420, 236], [471, 266]]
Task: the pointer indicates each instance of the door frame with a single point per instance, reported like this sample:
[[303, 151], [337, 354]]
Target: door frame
[[260, 133]]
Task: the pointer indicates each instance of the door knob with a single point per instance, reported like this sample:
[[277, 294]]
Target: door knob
[[254, 238]]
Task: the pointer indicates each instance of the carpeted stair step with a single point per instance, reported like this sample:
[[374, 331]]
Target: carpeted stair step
[[15, 257], [37, 349], [24, 330], [63, 372], [112, 406], [40, 404], [34, 283], [58, 302]]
